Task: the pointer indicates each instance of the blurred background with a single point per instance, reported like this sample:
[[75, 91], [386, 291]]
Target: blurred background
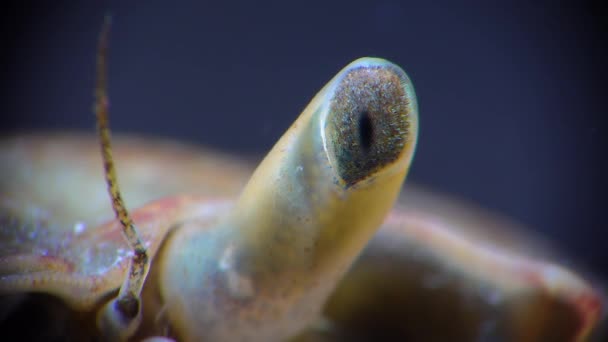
[[511, 95]]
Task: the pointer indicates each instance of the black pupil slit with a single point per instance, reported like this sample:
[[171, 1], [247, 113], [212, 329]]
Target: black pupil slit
[[366, 131]]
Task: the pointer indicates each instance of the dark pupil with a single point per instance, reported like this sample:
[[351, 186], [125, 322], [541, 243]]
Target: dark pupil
[[366, 131]]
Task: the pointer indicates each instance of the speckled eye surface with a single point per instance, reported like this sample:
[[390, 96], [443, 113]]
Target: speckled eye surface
[[368, 125]]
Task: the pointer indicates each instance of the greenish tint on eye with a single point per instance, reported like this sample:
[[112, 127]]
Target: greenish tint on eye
[[368, 124]]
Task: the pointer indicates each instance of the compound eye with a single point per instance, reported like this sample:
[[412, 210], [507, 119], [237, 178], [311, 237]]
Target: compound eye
[[368, 125]]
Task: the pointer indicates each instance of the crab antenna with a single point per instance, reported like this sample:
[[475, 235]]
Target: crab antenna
[[128, 301]]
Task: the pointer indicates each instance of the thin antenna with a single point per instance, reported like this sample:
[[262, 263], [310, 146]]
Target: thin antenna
[[128, 301]]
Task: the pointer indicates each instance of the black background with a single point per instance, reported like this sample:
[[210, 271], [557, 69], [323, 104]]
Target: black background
[[511, 94]]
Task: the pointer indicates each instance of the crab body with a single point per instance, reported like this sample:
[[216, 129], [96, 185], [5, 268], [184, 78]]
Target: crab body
[[308, 247], [411, 277]]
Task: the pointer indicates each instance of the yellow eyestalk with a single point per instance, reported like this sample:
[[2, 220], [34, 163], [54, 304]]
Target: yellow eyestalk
[[328, 183], [270, 262]]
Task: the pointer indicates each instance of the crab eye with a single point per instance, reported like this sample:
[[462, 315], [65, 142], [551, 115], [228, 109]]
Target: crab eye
[[368, 125]]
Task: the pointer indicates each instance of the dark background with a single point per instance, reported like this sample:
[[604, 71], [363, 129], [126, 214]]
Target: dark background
[[511, 94]]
